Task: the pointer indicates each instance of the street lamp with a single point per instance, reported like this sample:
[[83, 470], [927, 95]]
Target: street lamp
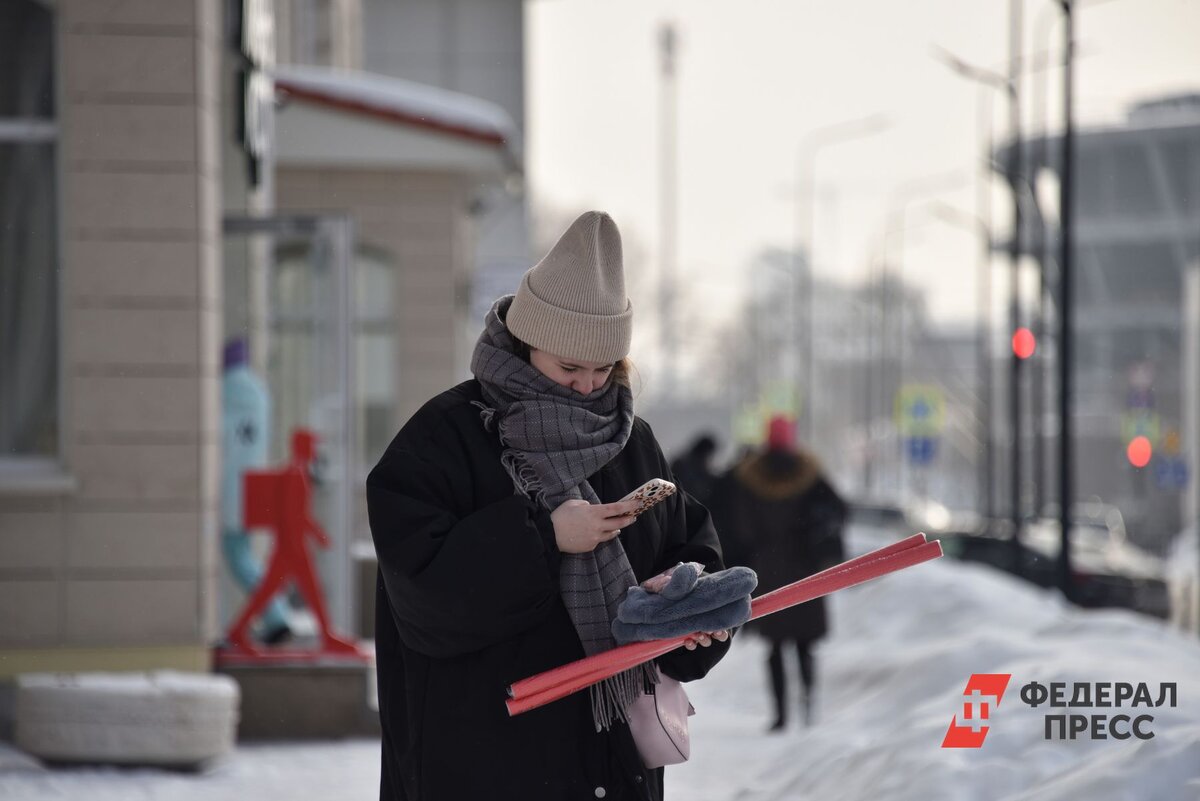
[[983, 283], [1007, 84], [1066, 311], [1049, 14], [810, 147], [902, 199]]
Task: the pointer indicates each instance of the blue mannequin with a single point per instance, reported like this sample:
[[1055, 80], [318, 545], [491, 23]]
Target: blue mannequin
[[245, 427]]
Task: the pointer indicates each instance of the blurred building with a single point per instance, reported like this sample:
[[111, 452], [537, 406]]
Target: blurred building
[[1137, 195], [177, 173]]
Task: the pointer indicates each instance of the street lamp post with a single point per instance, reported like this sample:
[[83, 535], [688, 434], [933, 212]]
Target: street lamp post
[[1015, 167], [668, 141], [1040, 360], [1066, 304], [905, 196], [806, 180], [983, 280], [1008, 85]]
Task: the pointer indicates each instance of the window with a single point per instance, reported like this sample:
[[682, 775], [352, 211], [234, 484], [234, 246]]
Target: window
[[29, 326], [301, 362]]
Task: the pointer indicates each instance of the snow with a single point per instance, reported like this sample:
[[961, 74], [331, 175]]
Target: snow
[[399, 96], [161, 682], [1183, 579], [297, 772], [892, 675], [1183, 557]]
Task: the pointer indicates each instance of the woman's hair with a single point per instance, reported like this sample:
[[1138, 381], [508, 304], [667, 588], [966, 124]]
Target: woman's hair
[[622, 371]]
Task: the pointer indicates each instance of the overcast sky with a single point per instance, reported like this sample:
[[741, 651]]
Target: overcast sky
[[755, 75]]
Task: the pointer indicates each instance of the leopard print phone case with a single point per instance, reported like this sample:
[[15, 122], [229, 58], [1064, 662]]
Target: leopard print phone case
[[652, 492]]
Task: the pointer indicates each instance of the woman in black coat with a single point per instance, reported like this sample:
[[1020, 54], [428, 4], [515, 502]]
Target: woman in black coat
[[484, 569], [790, 521]]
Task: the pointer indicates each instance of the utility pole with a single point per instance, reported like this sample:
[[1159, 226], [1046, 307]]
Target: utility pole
[[804, 246], [1040, 362], [1066, 306], [667, 41], [983, 295], [997, 82], [1191, 414], [980, 223], [1015, 166]]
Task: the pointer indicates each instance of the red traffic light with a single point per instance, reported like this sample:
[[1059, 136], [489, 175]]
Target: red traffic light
[[1139, 451], [1023, 343]]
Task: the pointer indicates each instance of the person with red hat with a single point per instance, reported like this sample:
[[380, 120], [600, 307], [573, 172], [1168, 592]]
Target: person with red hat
[[790, 519]]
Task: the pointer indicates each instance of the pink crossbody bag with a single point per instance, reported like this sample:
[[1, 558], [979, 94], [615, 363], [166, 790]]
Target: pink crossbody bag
[[659, 722], [659, 719]]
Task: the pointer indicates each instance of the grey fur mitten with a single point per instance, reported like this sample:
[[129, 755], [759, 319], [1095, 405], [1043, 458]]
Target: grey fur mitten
[[689, 594]]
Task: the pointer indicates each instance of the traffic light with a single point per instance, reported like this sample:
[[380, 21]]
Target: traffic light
[[1139, 451], [1023, 343]]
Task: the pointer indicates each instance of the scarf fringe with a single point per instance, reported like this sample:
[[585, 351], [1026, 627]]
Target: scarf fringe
[[524, 477], [613, 696], [486, 413]]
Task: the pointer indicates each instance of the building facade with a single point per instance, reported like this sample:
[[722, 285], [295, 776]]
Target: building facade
[[107, 513], [160, 195]]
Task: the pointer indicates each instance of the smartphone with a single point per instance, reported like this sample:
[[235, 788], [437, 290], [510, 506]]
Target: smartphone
[[652, 492]]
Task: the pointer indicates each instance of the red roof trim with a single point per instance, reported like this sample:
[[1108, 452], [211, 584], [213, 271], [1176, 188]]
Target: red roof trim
[[388, 114]]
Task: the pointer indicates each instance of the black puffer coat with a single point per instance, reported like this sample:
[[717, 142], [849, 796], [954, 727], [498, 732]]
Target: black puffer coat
[[468, 602], [789, 520]]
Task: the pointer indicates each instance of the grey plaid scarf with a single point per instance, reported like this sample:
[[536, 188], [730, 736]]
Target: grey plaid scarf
[[554, 438]]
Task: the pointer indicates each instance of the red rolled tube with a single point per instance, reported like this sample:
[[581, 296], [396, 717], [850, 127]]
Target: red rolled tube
[[560, 682], [624, 657], [634, 653]]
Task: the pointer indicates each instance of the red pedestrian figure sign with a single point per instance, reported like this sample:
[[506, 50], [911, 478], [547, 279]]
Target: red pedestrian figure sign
[[279, 500]]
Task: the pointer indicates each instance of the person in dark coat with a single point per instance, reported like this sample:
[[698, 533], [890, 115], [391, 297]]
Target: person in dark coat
[[503, 549], [791, 520], [693, 469], [722, 504]]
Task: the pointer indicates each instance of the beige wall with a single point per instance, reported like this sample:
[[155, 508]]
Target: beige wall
[[126, 560], [421, 220]]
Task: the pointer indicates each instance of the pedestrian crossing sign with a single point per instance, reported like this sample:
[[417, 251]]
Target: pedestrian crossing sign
[[920, 410]]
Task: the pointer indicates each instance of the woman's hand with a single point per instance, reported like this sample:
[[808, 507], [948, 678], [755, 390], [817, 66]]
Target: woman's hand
[[580, 526], [705, 639]]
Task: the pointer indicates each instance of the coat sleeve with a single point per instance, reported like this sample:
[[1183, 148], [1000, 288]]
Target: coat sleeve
[[827, 520], [689, 537], [457, 584]]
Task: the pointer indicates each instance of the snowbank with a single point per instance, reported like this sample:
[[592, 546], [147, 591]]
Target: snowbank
[[893, 675]]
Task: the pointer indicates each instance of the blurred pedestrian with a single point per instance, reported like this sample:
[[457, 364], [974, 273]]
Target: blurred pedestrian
[[791, 519], [504, 549], [722, 503], [693, 469]]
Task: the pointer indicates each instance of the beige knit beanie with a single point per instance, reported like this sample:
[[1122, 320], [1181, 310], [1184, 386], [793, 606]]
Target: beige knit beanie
[[572, 303]]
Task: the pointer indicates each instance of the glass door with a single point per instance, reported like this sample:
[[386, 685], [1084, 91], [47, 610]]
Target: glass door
[[289, 295]]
